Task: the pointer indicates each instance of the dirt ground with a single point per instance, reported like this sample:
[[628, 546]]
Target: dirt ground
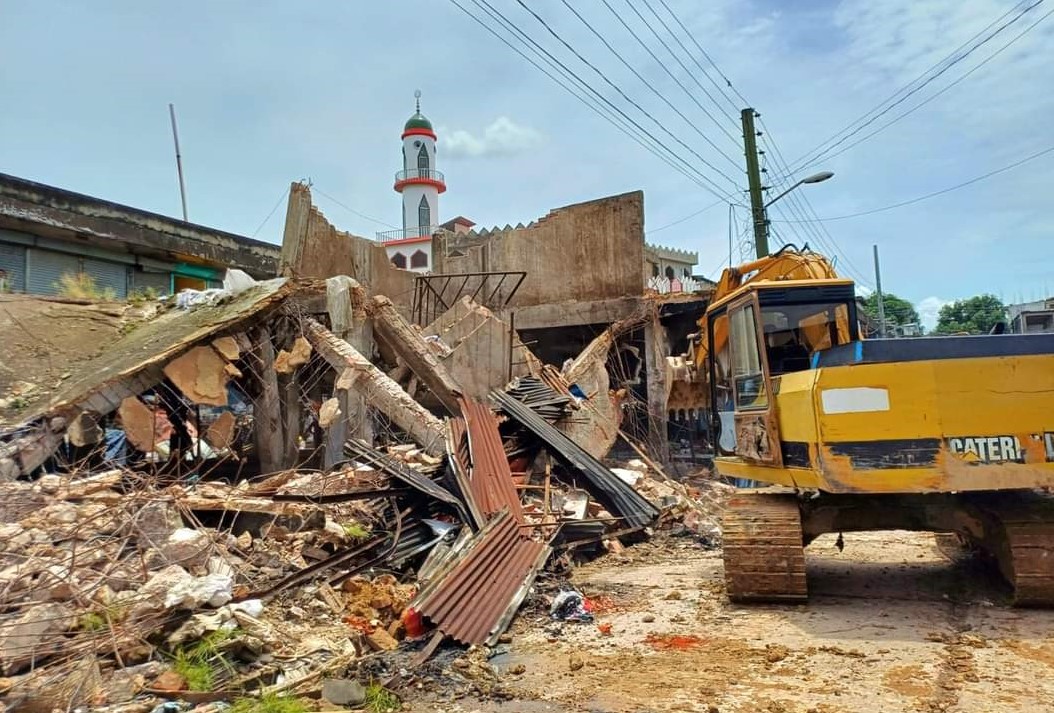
[[42, 342], [891, 626]]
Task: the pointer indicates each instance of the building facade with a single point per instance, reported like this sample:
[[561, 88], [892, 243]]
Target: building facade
[[48, 233], [419, 183], [1032, 317]]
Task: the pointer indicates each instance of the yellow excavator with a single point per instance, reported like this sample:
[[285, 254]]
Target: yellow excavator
[[951, 435]]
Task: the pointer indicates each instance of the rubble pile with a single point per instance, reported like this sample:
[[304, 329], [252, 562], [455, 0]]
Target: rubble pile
[[300, 513]]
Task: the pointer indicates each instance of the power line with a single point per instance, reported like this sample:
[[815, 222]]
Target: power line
[[348, 208], [667, 70], [952, 59], [697, 176], [709, 59], [800, 203], [923, 103], [277, 203], [687, 217], [599, 109], [949, 189], [614, 86], [688, 53], [648, 84]]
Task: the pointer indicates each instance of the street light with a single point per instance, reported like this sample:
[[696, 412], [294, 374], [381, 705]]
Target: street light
[[814, 178]]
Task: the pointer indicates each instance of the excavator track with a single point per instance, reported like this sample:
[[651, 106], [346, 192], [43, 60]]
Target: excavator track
[[1025, 549], [763, 549]]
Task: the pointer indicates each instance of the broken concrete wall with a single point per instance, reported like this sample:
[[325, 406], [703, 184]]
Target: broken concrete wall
[[313, 248], [480, 345], [587, 251]]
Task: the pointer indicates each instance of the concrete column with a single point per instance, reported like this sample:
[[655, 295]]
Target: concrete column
[[346, 304], [656, 349]]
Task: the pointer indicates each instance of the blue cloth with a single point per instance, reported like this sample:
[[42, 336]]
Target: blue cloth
[[116, 452]]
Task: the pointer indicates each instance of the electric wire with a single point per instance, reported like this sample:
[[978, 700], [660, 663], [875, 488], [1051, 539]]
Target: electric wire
[[567, 84], [348, 208], [687, 217], [663, 66], [934, 194], [650, 86], [691, 56], [264, 221], [926, 101], [728, 82], [614, 86], [819, 153], [617, 114]]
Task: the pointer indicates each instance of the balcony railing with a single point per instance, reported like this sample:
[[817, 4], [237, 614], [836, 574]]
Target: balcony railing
[[412, 173], [425, 231]]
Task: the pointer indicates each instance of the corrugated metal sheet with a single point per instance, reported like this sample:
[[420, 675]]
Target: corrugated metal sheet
[[474, 599], [365, 453], [613, 493], [13, 262], [160, 281], [489, 474], [46, 268], [107, 275]]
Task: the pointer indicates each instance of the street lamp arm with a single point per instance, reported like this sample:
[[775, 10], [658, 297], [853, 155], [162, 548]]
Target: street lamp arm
[[815, 178], [784, 193]]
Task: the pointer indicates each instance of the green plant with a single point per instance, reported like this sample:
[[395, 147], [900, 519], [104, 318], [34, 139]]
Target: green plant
[[81, 286], [92, 621], [144, 294], [269, 703], [380, 700], [355, 531], [198, 662], [196, 672]]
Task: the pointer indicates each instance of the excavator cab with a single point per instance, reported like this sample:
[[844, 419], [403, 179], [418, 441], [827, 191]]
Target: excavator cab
[[763, 331]]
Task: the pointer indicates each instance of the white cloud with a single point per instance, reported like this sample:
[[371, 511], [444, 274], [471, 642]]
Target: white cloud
[[502, 137], [928, 309]]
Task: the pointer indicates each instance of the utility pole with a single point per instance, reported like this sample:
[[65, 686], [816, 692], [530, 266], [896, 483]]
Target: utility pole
[[179, 162], [757, 204], [881, 301]]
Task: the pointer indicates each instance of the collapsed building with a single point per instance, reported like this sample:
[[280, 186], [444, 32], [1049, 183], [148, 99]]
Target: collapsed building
[[558, 283], [348, 448]]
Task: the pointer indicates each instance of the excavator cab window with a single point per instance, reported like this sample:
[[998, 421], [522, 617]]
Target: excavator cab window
[[794, 332], [748, 376]]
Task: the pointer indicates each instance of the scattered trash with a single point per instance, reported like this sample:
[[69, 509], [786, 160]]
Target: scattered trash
[[570, 605]]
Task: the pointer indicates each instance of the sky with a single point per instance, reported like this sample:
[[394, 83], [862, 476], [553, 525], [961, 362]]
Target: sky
[[267, 93]]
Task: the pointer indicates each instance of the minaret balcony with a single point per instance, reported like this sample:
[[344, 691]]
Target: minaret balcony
[[414, 234], [420, 177]]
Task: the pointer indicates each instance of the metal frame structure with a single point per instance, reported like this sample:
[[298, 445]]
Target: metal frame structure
[[430, 302]]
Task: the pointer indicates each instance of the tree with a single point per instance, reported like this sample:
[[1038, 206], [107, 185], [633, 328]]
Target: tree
[[975, 315], [898, 310]]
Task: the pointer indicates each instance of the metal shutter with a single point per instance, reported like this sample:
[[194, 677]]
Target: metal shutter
[[13, 262], [46, 268], [108, 275], [160, 281]]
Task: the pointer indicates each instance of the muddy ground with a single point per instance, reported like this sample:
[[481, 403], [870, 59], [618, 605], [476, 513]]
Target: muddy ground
[[891, 625]]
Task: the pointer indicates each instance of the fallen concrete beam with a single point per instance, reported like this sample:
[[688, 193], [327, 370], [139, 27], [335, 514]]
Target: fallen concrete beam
[[410, 345], [378, 389]]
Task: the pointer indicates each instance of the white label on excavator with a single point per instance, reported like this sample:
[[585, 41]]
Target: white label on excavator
[[861, 399]]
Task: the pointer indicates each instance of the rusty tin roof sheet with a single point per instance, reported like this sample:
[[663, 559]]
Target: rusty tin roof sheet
[[489, 474], [477, 595]]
